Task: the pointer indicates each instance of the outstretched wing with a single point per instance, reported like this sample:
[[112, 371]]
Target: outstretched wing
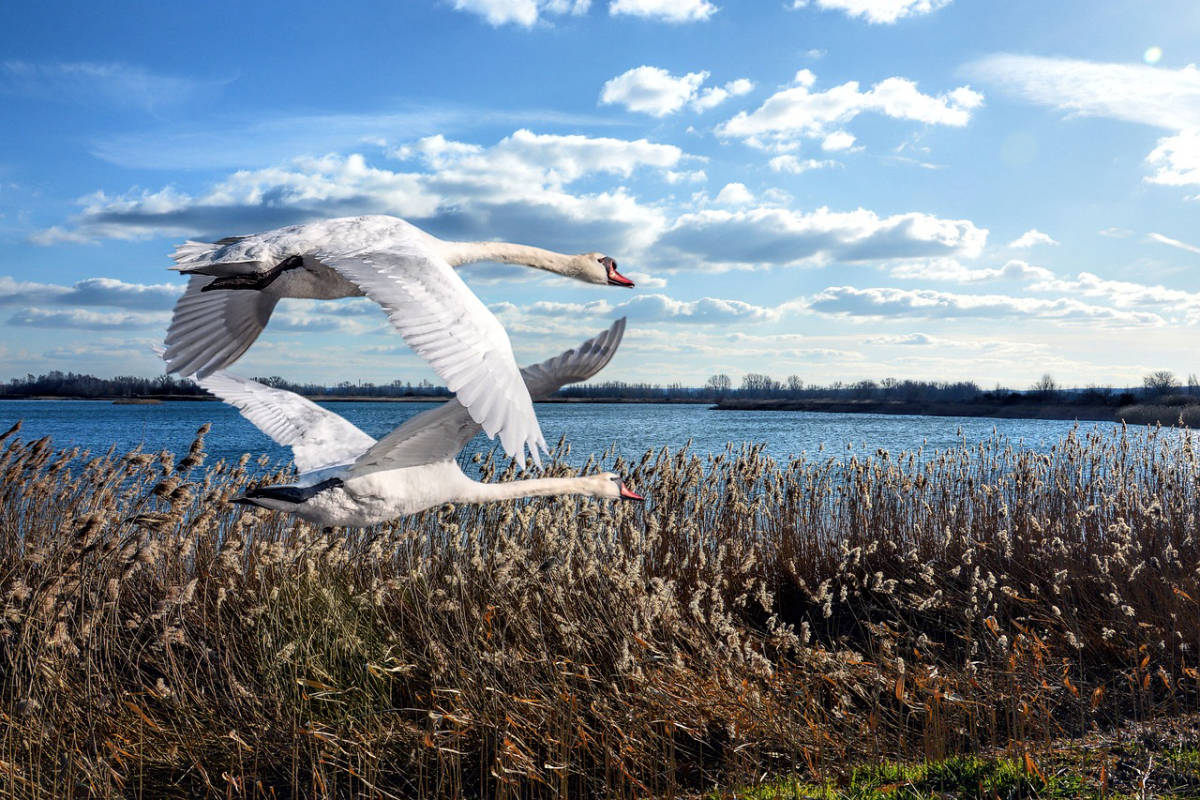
[[440, 433], [211, 329], [447, 325], [318, 438]]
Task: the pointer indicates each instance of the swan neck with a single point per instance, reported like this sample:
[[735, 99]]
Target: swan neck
[[534, 487], [506, 253]]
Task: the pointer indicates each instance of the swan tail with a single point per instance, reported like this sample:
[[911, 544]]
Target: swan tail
[[200, 258]]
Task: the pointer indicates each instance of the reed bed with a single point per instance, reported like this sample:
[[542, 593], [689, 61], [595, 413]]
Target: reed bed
[[753, 619]]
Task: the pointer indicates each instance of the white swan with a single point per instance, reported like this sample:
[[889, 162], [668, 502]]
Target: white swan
[[236, 283], [348, 478]]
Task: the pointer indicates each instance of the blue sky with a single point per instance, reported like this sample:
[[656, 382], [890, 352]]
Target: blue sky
[[836, 189]]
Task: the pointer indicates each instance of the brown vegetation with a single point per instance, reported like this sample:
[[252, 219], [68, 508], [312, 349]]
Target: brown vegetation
[[753, 618]]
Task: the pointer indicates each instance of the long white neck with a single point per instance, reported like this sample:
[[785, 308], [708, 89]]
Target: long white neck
[[534, 487], [459, 253]]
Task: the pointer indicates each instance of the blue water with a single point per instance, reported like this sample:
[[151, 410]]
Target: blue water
[[589, 428]]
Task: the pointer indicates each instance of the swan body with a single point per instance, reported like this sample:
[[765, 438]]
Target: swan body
[[236, 282], [349, 479]]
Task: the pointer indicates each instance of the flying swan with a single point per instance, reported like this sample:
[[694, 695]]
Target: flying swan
[[236, 282], [347, 478]]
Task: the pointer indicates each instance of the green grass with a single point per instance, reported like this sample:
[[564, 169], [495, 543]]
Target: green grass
[[1072, 774], [957, 777]]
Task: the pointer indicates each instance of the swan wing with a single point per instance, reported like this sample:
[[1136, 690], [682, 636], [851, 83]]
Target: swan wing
[[440, 433], [211, 329], [319, 438], [447, 325]]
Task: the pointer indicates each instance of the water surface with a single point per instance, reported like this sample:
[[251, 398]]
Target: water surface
[[589, 428]]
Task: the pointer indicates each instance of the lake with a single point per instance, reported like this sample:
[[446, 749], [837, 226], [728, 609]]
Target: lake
[[589, 428]]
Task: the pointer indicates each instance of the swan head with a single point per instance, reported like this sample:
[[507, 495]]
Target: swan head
[[599, 268], [609, 485]]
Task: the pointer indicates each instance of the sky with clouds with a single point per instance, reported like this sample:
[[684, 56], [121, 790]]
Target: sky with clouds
[[836, 189]]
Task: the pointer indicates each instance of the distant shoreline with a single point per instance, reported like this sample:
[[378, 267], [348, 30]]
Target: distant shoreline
[[323, 398], [1135, 414]]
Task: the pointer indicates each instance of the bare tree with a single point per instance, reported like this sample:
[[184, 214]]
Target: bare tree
[[719, 383], [1045, 386], [794, 384], [758, 383], [1160, 382]]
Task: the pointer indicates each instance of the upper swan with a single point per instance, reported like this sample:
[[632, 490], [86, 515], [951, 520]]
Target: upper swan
[[236, 282]]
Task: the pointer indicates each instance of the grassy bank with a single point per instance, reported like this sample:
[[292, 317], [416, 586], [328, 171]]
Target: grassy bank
[[753, 619]]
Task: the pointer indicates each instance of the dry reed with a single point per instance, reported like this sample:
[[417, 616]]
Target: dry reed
[[753, 618]]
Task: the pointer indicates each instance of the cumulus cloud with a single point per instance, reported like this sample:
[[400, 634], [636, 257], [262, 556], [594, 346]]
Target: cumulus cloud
[[849, 301], [886, 12], [1127, 294], [734, 194], [764, 236], [90, 292], [950, 269], [675, 11], [654, 91], [789, 163], [515, 189], [520, 12], [1176, 160], [1030, 238], [798, 113]]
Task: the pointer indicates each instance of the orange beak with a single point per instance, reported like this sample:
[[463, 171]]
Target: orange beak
[[615, 278], [629, 494]]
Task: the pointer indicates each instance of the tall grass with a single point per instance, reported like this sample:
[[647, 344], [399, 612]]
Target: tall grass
[[752, 619]]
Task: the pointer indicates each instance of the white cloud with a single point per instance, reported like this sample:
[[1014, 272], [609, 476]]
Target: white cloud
[[685, 176], [1164, 98], [766, 236], [654, 91], [734, 194], [931, 304], [838, 140], [1116, 232], [796, 112], [90, 292], [1176, 160], [93, 83], [1167, 240], [520, 12], [1126, 294], [949, 269], [715, 95], [1155, 96], [651, 90], [1031, 238], [885, 12], [85, 319], [515, 189], [789, 163], [665, 10]]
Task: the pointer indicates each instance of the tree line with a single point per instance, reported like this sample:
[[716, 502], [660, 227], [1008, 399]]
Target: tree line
[[1158, 385]]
